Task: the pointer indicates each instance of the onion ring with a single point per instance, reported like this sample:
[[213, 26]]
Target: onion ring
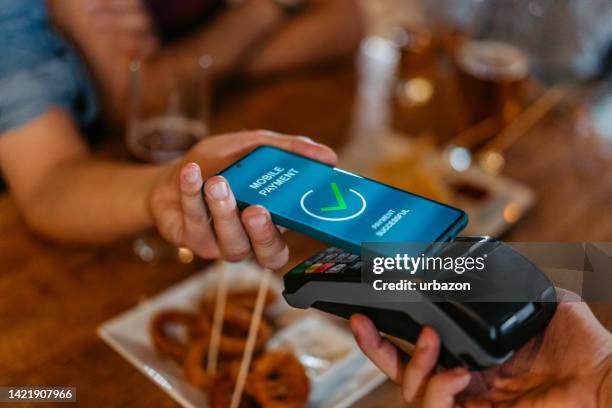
[[194, 366], [278, 380], [171, 345], [221, 394], [236, 324]]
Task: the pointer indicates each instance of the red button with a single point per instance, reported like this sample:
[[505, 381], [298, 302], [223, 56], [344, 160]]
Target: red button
[[324, 267]]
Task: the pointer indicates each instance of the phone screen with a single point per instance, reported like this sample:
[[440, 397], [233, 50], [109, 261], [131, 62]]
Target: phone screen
[[336, 206]]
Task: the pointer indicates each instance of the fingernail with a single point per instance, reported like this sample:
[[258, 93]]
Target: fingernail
[[307, 139], [352, 326], [460, 371], [422, 343], [258, 220], [353, 330], [192, 174], [219, 191]]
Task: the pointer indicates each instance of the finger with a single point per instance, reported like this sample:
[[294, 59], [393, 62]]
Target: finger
[[142, 45], [382, 353], [421, 365], [442, 388], [499, 397], [148, 43], [191, 182], [168, 217], [564, 295], [507, 390], [135, 23], [296, 144], [231, 237], [478, 403], [266, 241], [197, 230], [249, 140], [114, 6]]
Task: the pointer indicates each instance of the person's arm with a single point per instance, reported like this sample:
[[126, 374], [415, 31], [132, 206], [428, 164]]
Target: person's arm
[[225, 40], [255, 38], [326, 30], [67, 194]]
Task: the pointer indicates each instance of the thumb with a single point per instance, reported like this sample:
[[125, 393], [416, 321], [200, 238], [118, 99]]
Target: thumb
[[444, 387]]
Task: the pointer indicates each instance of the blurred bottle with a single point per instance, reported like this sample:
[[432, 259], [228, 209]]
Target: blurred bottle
[[416, 46], [423, 92]]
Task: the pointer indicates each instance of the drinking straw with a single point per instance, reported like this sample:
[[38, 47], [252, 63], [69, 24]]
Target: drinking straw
[[249, 347], [527, 119], [217, 326]]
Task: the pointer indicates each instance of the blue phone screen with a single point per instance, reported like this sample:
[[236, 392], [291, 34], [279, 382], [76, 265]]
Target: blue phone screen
[[309, 195]]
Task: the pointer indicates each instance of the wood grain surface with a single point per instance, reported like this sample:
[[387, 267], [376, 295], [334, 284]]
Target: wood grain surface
[[52, 298]]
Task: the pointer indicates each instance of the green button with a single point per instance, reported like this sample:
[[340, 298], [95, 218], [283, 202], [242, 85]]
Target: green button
[[299, 269]]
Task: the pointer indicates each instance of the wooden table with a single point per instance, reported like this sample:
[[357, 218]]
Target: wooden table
[[53, 298]]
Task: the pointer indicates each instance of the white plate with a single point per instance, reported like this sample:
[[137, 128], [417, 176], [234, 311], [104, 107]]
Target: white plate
[[340, 385]]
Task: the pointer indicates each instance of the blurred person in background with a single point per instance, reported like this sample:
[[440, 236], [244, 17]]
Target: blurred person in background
[[64, 192], [249, 38]]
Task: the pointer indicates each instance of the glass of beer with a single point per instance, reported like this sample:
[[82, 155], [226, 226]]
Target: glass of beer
[[492, 75], [167, 115], [491, 62]]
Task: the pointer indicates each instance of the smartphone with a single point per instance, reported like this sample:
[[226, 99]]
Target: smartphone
[[336, 206]]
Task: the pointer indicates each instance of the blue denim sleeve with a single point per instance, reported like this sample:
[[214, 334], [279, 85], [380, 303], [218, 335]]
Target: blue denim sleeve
[[38, 70], [30, 92]]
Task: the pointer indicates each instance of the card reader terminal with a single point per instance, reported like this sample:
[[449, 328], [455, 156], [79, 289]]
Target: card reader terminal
[[474, 334]]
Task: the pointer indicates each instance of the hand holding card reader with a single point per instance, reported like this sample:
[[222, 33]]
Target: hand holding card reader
[[474, 334]]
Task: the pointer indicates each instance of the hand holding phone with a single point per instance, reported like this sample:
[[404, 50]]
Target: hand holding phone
[[213, 227]]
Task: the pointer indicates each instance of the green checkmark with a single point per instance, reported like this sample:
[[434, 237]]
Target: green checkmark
[[339, 199]]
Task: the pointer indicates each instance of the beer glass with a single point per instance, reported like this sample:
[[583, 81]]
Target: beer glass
[[491, 63], [167, 116]]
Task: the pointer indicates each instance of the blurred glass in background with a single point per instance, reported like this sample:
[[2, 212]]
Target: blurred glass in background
[[167, 116], [503, 52], [565, 39], [473, 78]]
